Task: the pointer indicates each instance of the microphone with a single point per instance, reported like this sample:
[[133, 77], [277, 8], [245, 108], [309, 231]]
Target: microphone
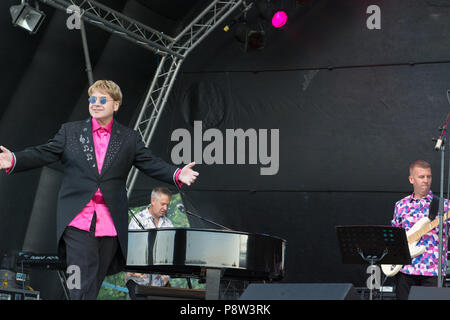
[[438, 144], [443, 129]]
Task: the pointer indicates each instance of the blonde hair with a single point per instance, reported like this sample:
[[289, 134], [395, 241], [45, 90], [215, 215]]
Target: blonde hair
[[418, 163], [108, 86]]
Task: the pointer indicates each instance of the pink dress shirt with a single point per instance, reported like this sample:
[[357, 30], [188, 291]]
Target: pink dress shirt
[[104, 226]]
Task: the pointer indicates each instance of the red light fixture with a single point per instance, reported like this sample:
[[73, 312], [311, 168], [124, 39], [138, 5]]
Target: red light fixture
[[279, 19]]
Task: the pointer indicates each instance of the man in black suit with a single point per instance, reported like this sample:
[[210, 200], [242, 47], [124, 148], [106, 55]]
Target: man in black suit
[[92, 211]]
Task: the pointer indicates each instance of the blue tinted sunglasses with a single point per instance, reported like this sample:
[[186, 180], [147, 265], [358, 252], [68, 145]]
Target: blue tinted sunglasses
[[102, 100]]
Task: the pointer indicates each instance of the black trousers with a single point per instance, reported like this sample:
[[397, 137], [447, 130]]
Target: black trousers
[[92, 255], [404, 282]]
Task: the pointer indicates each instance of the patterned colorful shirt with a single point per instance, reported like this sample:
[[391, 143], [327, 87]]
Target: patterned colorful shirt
[[148, 222], [406, 213]]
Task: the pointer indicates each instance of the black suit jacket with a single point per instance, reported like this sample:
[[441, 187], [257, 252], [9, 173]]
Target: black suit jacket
[[73, 146]]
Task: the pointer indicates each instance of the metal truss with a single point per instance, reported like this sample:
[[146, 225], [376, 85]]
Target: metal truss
[[153, 106], [117, 23], [172, 50], [201, 26], [168, 68]]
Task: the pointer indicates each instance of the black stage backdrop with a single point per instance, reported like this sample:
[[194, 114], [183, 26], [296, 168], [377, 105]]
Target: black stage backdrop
[[353, 107]]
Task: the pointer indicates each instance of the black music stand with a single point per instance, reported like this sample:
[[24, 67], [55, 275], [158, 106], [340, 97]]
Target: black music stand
[[373, 245]]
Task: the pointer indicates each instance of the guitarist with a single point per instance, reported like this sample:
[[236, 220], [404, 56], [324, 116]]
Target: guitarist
[[423, 270]]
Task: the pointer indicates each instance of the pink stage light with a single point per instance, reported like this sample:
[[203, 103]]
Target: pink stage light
[[279, 19]]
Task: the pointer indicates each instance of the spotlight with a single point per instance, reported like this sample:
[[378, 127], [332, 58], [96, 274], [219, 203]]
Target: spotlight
[[269, 13], [26, 17], [279, 19], [252, 39]]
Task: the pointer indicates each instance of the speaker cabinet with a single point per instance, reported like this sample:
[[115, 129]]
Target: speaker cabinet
[[429, 293], [300, 291]]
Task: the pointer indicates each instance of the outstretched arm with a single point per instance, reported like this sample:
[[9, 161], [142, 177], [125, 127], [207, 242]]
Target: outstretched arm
[[34, 157]]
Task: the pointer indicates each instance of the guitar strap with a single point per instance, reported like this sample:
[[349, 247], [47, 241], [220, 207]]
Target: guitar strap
[[434, 206]]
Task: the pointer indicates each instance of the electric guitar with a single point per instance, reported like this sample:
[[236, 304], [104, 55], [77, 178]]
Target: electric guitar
[[420, 228]]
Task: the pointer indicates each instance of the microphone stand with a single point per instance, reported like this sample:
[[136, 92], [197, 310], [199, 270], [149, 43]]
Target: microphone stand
[[183, 196], [441, 206], [204, 219], [440, 146], [136, 219]]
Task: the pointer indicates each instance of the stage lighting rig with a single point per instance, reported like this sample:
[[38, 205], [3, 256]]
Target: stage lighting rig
[[27, 17], [252, 39], [241, 17], [251, 26]]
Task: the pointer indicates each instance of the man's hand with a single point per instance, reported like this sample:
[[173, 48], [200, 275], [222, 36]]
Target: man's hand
[[6, 158], [187, 175]]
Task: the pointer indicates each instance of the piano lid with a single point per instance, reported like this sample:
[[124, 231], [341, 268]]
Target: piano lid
[[188, 250]]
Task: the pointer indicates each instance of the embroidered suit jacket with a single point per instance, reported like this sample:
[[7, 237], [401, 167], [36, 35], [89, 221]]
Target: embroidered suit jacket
[[73, 146]]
